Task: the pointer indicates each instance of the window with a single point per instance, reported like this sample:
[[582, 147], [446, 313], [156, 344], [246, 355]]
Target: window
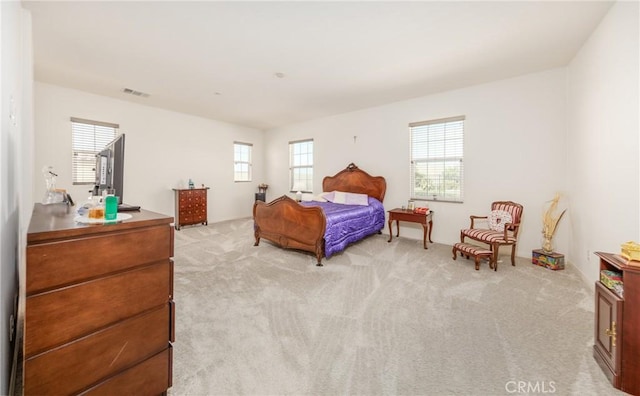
[[242, 161], [301, 165], [88, 139], [437, 148]]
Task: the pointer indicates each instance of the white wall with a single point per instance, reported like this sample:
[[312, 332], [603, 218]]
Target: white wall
[[603, 131], [163, 149], [572, 130], [515, 149], [16, 139]]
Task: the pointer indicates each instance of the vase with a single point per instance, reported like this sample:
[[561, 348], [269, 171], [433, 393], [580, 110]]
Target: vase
[[547, 246]]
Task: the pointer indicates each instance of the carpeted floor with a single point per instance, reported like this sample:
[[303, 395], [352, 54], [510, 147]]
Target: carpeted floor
[[379, 318]]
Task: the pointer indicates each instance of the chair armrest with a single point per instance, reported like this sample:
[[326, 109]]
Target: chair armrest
[[473, 218], [514, 227]]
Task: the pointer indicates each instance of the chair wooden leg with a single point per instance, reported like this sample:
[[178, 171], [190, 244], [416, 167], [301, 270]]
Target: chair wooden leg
[[513, 255], [495, 248]]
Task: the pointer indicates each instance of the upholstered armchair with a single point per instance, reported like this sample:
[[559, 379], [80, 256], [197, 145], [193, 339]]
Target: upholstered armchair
[[503, 226]]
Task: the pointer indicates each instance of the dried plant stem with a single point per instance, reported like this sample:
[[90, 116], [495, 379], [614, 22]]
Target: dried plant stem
[[550, 220]]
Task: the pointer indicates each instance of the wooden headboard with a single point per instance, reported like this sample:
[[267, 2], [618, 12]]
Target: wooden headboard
[[352, 179]]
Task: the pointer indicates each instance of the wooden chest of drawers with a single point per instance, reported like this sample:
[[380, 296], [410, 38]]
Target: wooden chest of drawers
[[99, 312], [191, 206]]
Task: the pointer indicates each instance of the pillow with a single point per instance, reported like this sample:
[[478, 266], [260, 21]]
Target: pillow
[[328, 196], [339, 197], [497, 219], [318, 198], [347, 198]]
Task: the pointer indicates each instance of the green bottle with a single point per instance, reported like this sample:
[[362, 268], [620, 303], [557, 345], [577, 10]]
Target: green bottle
[[110, 208]]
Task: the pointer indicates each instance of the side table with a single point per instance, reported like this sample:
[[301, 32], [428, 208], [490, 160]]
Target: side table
[[398, 214]]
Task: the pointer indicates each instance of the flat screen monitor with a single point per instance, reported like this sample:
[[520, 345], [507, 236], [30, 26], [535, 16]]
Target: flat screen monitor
[[110, 168]]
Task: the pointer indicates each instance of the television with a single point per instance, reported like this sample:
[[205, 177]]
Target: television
[[110, 168]]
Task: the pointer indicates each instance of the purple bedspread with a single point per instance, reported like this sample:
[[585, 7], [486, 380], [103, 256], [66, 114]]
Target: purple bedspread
[[349, 223]]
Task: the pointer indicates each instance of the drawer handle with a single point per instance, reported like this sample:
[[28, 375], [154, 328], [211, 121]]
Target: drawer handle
[[612, 333]]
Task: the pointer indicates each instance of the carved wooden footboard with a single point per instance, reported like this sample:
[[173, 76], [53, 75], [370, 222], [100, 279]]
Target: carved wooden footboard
[[288, 224]]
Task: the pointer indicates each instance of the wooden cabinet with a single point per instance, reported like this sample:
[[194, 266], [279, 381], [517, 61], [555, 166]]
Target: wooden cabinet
[[606, 342], [191, 206], [617, 322], [99, 313]]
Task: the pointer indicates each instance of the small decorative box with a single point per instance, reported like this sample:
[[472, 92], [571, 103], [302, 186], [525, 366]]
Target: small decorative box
[[631, 251], [423, 211], [552, 261]]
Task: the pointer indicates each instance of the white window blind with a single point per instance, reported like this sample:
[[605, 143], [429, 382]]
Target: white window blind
[[242, 161], [301, 165], [88, 139], [437, 159]]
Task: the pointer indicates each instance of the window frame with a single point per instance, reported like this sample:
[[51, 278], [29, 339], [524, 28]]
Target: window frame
[[437, 146], [305, 163], [88, 138], [240, 161]]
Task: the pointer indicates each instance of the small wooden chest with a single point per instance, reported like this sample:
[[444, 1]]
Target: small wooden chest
[[553, 261]]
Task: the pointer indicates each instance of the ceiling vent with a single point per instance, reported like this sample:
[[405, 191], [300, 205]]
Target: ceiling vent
[[135, 93]]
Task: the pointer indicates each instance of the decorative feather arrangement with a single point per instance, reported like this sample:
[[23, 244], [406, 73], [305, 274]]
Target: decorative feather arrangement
[[550, 222]]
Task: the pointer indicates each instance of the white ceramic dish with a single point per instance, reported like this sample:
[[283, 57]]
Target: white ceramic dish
[[86, 220]]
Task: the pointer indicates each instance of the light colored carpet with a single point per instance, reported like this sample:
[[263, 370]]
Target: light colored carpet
[[379, 318]]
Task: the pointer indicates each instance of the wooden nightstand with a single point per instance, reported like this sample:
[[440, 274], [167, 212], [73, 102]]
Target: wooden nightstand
[[399, 215], [617, 320]]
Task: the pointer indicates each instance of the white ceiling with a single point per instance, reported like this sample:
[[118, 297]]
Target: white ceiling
[[219, 59]]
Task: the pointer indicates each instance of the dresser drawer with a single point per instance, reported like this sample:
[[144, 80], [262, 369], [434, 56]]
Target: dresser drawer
[[151, 377], [50, 265], [185, 210], [192, 209], [60, 316], [196, 193], [192, 213], [89, 360]]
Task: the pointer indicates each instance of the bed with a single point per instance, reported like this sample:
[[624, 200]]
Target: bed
[[324, 228]]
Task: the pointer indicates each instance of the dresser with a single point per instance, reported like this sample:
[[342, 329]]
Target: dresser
[[191, 206], [98, 312], [616, 345]]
